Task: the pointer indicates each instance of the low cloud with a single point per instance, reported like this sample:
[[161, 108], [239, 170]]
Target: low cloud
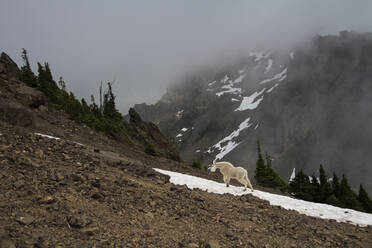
[[146, 45]]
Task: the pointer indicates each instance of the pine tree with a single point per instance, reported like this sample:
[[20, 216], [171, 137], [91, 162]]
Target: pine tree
[[85, 106], [365, 200], [109, 108], [301, 186], [62, 84], [260, 171], [26, 75], [272, 178], [315, 189], [332, 200], [48, 72], [336, 188], [325, 189], [347, 197], [42, 78]]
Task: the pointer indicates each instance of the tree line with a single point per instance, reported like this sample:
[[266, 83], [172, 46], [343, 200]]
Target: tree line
[[103, 117], [310, 188]]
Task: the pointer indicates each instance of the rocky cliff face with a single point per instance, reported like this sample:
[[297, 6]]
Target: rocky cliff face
[[307, 106]]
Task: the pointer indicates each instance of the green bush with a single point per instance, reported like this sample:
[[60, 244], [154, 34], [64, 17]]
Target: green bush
[[196, 164], [150, 150]]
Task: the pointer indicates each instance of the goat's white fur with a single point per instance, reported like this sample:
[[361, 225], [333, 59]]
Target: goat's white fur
[[229, 171]]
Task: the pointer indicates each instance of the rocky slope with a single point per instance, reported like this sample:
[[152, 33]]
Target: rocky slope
[[307, 106], [25, 106], [81, 188], [62, 194]]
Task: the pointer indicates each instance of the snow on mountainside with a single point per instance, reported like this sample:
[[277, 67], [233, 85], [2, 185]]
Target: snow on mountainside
[[318, 210], [238, 91], [228, 141], [308, 105]]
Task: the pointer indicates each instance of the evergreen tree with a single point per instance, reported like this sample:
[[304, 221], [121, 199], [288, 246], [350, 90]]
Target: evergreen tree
[[42, 78], [333, 200], [109, 108], [365, 200], [301, 186], [46, 83], [104, 118], [85, 106], [336, 188], [62, 84], [325, 189], [48, 72], [26, 75], [347, 197], [272, 178], [100, 98], [315, 189], [260, 172]]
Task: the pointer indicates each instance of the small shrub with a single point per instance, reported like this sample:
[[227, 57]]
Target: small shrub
[[196, 164], [150, 150]]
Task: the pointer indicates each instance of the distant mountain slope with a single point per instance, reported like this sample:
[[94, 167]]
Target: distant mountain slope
[[308, 106]]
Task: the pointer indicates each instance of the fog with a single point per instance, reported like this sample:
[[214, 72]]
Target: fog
[[146, 45]]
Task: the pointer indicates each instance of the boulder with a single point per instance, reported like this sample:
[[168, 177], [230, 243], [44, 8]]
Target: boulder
[[30, 96], [14, 113]]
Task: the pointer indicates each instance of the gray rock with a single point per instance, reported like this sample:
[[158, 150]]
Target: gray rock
[[213, 244], [25, 220]]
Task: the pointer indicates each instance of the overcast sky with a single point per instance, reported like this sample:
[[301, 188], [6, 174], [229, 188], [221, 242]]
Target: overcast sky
[[146, 45]]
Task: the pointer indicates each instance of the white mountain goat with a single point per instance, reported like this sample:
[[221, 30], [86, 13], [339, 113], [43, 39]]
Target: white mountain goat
[[229, 171]]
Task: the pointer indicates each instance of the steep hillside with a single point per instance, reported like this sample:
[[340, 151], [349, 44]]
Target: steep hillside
[[307, 106], [28, 107]]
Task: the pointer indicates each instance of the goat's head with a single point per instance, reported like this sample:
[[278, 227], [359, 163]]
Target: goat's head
[[212, 167]]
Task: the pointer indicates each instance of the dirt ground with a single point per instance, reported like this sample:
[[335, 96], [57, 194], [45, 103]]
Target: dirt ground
[[57, 193]]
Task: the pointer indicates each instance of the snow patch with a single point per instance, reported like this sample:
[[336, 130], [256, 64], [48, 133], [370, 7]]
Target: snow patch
[[280, 76], [230, 144], [249, 102], [229, 86], [234, 100], [241, 71], [56, 138], [239, 79], [293, 175], [291, 55], [179, 135], [212, 83], [318, 210], [271, 89], [47, 136], [269, 66], [184, 129], [179, 114], [258, 55], [268, 54]]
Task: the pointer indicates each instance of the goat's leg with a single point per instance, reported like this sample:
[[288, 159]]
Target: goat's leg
[[249, 182], [244, 182], [226, 179]]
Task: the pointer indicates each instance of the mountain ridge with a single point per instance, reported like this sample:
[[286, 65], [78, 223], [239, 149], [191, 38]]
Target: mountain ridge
[[307, 107]]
